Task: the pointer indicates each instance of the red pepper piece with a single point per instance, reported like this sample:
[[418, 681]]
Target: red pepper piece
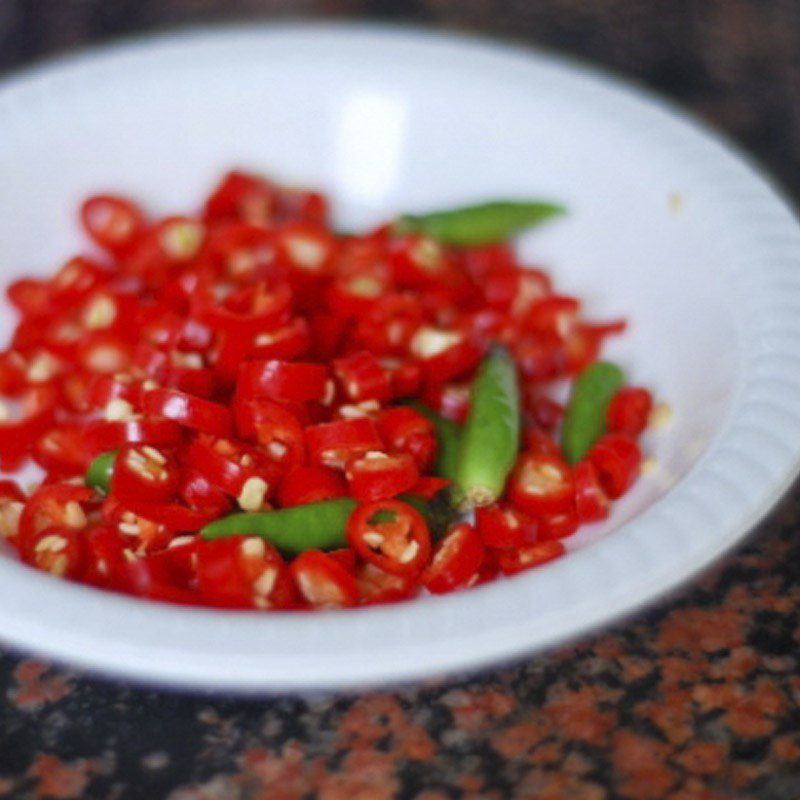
[[323, 581], [391, 535], [456, 560]]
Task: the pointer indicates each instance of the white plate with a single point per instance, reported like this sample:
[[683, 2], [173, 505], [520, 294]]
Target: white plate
[[669, 226]]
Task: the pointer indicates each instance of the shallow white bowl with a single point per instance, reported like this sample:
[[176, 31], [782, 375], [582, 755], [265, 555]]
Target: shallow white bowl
[[668, 227]]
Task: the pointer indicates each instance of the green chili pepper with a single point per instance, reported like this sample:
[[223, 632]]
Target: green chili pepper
[[486, 223], [320, 526], [98, 476], [448, 439], [490, 441], [585, 418]]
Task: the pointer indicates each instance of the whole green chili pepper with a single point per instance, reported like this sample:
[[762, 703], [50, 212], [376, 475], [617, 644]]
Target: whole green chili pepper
[[320, 526], [448, 439], [98, 476], [585, 417], [477, 225], [490, 440]]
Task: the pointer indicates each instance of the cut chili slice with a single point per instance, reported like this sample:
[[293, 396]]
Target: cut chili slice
[[191, 412], [362, 377], [285, 381], [456, 560], [617, 459], [113, 222], [57, 550], [591, 501], [102, 436], [301, 485], [391, 535], [513, 561], [243, 572], [629, 410], [504, 527], [144, 474], [378, 476], [323, 581], [333, 444], [541, 484]]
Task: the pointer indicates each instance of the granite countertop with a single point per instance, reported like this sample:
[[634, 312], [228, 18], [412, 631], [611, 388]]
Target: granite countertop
[[698, 698]]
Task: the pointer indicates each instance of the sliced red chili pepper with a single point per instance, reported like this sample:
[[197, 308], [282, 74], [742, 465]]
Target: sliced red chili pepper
[[514, 291], [559, 525], [243, 572], [75, 280], [191, 412], [12, 501], [102, 389], [451, 400], [301, 204], [418, 262], [306, 248], [62, 451], [456, 560], [391, 535], [504, 527], [376, 586], [443, 355], [333, 444], [144, 474], [242, 196], [229, 465], [362, 377], [629, 410], [103, 436], [54, 505], [428, 487], [591, 501], [378, 476], [328, 332], [249, 311], [481, 262], [390, 323], [533, 555], [278, 431], [104, 565], [323, 581], [112, 222], [285, 381], [104, 353], [406, 431], [57, 550], [355, 294], [31, 297], [290, 341], [544, 412], [13, 380], [555, 315], [198, 493], [538, 442], [406, 377], [541, 484], [244, 251], [346, 557], [37, 407], [301, 485], [617, 459]]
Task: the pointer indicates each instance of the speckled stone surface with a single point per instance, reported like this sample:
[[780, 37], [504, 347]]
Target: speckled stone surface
[[698, 698]]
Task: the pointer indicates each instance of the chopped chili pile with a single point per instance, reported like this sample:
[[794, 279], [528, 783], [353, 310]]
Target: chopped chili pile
[[244, 408]]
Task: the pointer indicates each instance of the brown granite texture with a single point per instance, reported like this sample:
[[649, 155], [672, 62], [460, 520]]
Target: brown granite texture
[[696, 699]]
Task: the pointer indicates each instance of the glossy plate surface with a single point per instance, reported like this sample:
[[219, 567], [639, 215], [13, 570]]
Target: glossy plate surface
[[668, 227]]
